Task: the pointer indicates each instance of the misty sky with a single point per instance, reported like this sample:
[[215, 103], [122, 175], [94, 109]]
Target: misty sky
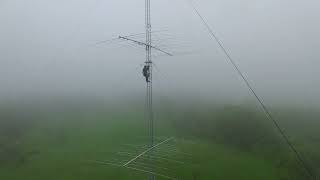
[[48, 47]]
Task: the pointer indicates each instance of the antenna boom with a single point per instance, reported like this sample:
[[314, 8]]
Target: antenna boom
[[145, 44]]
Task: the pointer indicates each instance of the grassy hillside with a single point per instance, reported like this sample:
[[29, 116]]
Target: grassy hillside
[[226, 142]]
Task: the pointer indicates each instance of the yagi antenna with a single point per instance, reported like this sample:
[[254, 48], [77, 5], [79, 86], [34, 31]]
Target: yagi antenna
[[144, 44]]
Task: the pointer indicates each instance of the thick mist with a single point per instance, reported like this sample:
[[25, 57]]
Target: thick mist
[[49, 49]]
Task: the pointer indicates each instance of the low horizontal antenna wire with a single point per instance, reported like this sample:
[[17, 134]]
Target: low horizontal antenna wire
[[264, 107]]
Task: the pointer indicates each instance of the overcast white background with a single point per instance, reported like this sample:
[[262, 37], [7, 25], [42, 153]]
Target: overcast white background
[[47, 48]]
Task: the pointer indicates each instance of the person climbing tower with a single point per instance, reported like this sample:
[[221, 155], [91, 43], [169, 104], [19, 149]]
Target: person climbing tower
[[146, 72]]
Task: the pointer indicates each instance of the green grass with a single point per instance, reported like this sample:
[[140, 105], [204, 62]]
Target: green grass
[[61, 145]]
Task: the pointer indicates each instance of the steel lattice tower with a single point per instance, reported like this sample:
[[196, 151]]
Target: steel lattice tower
[[149, 64], [149, 108]]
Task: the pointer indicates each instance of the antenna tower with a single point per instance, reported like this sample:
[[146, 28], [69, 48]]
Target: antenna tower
[[149, 108]]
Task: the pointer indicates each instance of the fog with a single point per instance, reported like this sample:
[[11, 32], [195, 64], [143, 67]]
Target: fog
[[49, 49]]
